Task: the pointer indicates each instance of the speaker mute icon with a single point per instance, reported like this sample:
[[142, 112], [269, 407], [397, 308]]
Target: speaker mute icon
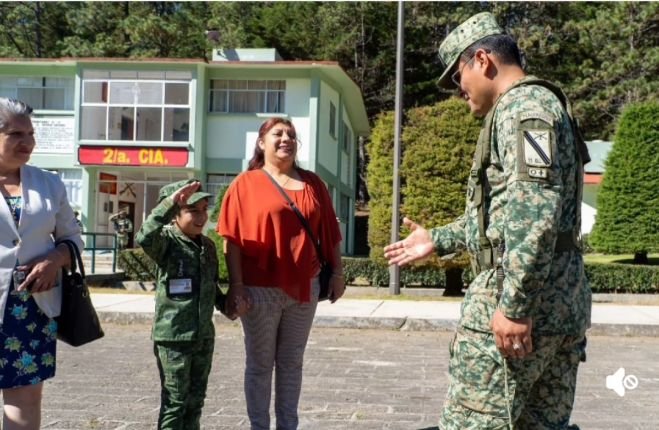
[[618, 382]]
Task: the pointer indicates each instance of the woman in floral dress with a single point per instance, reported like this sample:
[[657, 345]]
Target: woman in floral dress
[[34, 213]]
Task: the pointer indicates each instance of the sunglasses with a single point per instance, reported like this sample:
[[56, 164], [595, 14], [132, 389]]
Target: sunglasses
[[457, 75]]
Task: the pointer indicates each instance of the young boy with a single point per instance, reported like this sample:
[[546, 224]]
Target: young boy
[[186, 293]]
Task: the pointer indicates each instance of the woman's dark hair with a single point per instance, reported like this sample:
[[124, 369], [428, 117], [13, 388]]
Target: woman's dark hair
[[10, 108], [501, 45], [258, 159]]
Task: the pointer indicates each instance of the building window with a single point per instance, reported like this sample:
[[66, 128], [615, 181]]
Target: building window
[[345, 208], [347, 137], [216, 184], [72, 179], [241, 96], [145, 110], [41, 93], [332, 120]]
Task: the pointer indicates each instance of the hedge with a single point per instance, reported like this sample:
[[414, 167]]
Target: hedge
[[622, 278], [602, 277]]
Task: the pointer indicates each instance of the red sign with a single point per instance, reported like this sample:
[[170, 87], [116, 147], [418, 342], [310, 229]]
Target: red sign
[[133, 156]]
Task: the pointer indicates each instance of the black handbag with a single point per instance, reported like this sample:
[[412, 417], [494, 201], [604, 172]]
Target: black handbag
[[326, 269], [78, 322]]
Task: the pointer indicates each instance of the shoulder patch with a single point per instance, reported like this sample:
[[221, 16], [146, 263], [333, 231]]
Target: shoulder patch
[[537, 148], [543, 116]]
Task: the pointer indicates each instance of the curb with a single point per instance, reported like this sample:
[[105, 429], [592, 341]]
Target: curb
[[391, 323], [627, 330]]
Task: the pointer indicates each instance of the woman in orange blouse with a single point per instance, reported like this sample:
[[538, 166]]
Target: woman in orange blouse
[[273, 264]]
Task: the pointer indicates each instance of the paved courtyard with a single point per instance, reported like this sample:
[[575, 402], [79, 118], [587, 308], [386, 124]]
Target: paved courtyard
[[354, 379]]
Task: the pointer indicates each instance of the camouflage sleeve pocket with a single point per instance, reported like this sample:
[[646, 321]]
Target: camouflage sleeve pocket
[[536, 148]]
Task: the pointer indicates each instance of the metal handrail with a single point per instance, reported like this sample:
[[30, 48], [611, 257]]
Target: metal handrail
[[93, 248]]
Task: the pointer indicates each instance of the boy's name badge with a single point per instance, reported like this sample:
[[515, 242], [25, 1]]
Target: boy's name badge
[[180, 286]]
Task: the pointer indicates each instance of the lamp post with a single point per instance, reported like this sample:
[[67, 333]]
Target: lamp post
[[394, 270]]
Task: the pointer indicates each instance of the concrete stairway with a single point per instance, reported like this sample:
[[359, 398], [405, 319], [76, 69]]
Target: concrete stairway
[[102, 263]]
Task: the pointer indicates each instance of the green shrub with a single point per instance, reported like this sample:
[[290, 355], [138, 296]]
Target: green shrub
[[136, 265], [436, 151], [439, 146], [628, 203], [622, 278], [380, 188], [215, 213], [377, 274], [219, 247]]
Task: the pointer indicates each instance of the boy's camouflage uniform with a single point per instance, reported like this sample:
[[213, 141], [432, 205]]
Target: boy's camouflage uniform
[[183, 330], [530, 197]]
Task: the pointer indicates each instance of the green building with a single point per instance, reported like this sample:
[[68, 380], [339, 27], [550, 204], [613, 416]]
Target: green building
[[116, 130]]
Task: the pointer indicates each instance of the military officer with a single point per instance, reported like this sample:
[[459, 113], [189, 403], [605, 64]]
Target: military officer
[[122, 227], [521, 334]]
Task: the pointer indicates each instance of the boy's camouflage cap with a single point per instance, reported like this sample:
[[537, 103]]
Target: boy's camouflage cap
[[169, 189], [472, 30]]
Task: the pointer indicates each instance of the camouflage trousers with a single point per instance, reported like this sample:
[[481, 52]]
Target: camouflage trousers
[[184, 368], [487, 392], [122, 241]]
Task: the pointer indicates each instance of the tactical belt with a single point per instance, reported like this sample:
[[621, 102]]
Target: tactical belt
[[491, 257]]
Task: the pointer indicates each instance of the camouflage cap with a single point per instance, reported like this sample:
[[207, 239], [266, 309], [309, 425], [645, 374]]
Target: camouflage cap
[[169, 189], [472, 30]]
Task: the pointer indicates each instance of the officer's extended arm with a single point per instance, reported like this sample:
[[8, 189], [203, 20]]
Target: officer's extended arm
[[449, 238]]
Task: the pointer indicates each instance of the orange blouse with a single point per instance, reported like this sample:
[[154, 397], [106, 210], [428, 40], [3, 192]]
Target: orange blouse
[[276, 250]]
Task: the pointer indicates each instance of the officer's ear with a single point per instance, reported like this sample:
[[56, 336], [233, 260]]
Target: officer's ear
[[483, 59]]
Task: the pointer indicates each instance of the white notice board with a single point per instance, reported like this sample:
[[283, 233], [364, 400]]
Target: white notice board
[[53, 135]]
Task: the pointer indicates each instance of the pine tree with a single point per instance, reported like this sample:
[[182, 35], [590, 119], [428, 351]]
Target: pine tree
[[628, 202]]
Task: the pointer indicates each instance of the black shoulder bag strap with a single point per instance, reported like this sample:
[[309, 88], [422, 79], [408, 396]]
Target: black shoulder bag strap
[[301, 217], [74, 253]]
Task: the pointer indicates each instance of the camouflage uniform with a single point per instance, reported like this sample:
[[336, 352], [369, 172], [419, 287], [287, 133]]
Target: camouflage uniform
[[530, 201], [183, 330], [122, 226]]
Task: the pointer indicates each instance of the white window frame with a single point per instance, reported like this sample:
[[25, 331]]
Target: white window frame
[[72, 180], [332, 120], [344, 211], [11, 90], [162, 105], [347, 138], [280, 92], [213, 183]]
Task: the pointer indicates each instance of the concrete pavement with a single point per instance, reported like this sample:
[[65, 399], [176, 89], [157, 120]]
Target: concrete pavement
[[414, 315], [353, 380]]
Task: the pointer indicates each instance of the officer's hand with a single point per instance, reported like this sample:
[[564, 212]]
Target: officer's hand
[[416, 246], [182, 195], [512, 335]]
